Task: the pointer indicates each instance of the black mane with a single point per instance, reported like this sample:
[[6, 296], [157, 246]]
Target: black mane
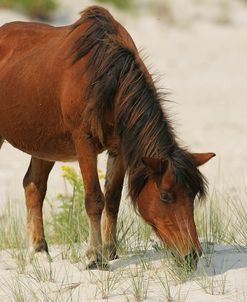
[[120, 82]]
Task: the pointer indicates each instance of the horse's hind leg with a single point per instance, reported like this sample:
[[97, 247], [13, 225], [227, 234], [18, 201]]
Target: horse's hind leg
[[113, 189], [35, 184]]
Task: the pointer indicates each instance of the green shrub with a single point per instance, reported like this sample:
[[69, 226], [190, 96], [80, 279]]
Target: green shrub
[[69, 222], [41, 9]]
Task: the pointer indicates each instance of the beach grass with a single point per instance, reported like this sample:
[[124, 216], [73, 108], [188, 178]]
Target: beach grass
[[144, 263]]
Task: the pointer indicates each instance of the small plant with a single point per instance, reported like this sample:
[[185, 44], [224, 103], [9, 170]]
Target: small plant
[[139, 283], [15, 290], [13, 231], [239, 211], [21, 259], [171, 292], [165, 286], [208, 256], [212, 222], [69, 223], [76, 253], [13, 235], [106, 281], [215, 283], [133, 234], [42, 272]]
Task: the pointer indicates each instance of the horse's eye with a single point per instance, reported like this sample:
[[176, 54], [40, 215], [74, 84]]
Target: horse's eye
[[166, 198]]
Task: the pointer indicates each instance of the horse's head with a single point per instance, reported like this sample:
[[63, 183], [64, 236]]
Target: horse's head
[[168, 205]]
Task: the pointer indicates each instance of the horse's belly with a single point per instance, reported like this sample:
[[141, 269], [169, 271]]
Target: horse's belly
[[41, 136], [60, 148]]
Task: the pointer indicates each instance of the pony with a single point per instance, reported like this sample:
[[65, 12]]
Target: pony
[[68, 93]]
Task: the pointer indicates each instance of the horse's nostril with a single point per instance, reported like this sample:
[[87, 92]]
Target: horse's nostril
[[192, 259]]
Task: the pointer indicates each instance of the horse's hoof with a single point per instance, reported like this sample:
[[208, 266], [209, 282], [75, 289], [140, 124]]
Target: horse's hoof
[[110, 252], [41, 256], [93, 265], [114, 257]]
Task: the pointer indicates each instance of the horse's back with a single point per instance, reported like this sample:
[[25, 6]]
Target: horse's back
[[18, 38], [21, 26]]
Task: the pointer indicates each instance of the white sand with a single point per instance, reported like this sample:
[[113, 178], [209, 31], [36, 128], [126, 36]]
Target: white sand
[[203, 64]]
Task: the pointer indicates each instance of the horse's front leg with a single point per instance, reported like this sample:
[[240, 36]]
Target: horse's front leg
[[35, 184], [113, 189], [94, 198]]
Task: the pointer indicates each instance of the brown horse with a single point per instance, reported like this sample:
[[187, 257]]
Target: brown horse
[[68, 93]]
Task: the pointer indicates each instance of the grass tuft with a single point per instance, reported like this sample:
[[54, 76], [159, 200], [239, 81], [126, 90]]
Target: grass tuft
[[143, 262], [68, 223]]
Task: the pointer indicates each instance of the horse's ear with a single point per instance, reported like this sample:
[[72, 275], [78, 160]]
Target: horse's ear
[[202, 158], [156, 165]]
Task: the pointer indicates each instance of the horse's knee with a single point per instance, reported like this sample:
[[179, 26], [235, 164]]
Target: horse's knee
[[112, 210], [31, 188], [112, 202], [94, 204], [35, 190], [37, 175], [113, 195], [34, 185]]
